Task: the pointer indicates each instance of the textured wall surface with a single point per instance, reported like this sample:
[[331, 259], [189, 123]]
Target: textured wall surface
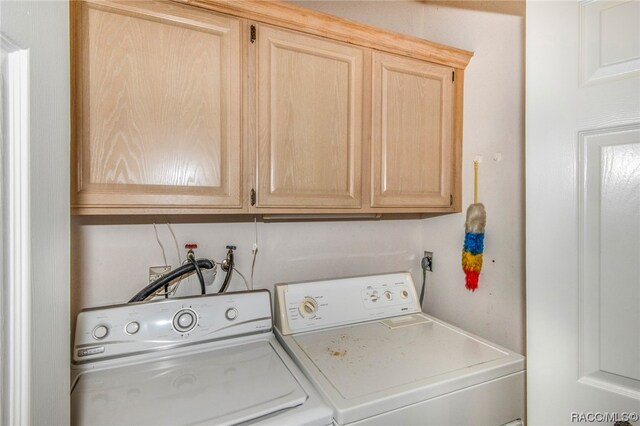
[[111, 260]]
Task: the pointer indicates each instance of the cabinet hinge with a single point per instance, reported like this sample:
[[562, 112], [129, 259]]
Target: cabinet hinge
[[450, 200], [253, 34], [253, 197], [453, 76]]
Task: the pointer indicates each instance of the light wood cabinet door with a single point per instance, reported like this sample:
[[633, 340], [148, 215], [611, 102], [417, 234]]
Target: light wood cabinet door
[[309, 101], [158, 113], [412, 133]]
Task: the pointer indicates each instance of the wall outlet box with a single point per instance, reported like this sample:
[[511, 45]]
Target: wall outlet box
[[427, 261], [156, 272]]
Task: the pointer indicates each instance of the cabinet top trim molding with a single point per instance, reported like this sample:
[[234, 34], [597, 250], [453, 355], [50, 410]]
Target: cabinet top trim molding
[[329, 26]]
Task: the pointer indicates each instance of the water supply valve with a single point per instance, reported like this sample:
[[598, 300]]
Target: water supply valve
[[228, 262], [190, 247]]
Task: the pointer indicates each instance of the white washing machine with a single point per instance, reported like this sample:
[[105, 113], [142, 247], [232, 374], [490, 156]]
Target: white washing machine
[[378, 360], [197, 360]]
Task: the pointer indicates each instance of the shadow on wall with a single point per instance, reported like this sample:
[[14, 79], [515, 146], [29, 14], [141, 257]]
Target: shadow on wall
[[505, 7]]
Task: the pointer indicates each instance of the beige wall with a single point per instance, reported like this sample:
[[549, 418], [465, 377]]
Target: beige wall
[[110, 259], [493, 124]]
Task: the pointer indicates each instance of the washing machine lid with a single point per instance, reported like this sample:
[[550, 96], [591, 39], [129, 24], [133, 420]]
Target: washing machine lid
[[373, 367], [222, 386]]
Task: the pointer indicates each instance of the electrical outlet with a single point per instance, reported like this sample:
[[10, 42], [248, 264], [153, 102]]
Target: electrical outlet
[[427, 261], [156, 272]]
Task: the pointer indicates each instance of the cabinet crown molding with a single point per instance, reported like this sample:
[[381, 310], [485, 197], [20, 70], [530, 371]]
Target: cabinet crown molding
[[321, 24]]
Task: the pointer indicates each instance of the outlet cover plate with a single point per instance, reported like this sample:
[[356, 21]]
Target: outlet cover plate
[[156, 272]]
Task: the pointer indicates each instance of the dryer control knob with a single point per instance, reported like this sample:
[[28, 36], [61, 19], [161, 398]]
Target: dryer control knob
[[308, 308]]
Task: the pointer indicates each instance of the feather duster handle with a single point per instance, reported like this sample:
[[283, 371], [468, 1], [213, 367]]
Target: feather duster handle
[[474, 238]]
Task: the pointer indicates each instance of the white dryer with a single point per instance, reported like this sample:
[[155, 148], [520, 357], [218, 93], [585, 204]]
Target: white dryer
[[378, 360], [196, 360]]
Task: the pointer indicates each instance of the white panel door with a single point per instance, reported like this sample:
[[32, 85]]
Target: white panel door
[[583, 212]]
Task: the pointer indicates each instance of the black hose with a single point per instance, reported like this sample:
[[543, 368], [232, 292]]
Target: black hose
[[424, 280], [199, 273], [227, 278], [166, 279]]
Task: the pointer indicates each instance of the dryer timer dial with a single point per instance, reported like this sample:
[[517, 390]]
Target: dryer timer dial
[[308, 308]]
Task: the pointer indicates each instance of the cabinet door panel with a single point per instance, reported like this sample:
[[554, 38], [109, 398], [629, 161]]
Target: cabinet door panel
[[412, 133], [309, 120], [160, 116]]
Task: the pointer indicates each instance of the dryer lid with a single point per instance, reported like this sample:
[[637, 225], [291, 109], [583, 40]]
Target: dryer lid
[[222, 386]]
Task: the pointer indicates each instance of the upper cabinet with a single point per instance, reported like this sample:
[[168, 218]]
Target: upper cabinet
[[157, 114], [309, 121], [412, 133], [259, 107]]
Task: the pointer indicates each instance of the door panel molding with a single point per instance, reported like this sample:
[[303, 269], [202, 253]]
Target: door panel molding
[[609, 201], [609, 40]]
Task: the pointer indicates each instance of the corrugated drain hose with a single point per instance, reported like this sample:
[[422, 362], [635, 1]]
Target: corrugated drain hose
[[166, 279], [192, 260]]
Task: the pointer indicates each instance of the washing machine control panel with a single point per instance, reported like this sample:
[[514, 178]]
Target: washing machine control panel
[[314, 305], [120, 330]]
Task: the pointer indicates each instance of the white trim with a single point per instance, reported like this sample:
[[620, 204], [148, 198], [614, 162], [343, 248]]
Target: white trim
[[591, 144], [16, 241]]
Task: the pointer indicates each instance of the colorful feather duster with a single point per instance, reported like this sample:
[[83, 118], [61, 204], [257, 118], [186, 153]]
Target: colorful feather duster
[[474, 237]]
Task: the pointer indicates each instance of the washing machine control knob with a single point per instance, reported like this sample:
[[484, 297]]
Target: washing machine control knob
[[231, 314], [388, 295], [374, 296], [100, 332], [132, 327], [185, 320], [308, 308]]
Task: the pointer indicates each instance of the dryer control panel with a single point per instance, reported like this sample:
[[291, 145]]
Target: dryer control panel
[[135, 328], [313, 305]]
